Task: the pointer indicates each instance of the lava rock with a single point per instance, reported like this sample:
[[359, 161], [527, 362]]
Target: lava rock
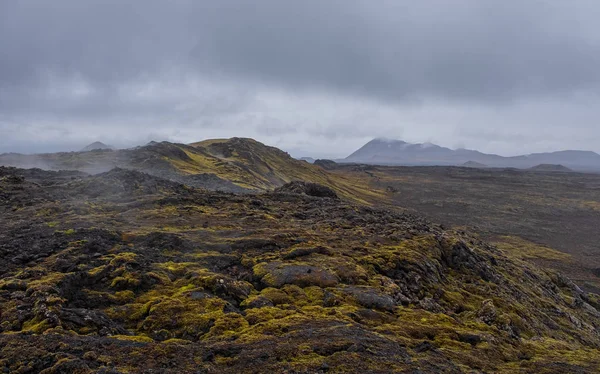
[[310, 189], [278, 274]]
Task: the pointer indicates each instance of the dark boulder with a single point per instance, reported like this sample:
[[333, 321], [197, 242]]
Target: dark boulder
[[276, 274], [309, 189], [371, 298]]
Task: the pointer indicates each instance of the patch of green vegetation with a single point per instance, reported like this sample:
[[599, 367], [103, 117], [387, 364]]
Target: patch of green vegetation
[[126, 281], [66, 232], [36, 326], [133, 338], [524, 249]]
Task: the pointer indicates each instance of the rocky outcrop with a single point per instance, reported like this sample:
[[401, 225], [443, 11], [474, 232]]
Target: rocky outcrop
[[277, 274], [306, 188]]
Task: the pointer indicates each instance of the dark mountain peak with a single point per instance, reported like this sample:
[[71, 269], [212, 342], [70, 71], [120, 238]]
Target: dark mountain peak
[[427, 146], [390, 151], [389, 141], [376, 147], [97, 146]]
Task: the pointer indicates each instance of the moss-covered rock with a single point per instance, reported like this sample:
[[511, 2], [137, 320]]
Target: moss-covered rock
[[277, 274]]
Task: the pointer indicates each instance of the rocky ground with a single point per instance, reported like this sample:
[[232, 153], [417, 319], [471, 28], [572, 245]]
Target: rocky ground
[[126, 272], [555, 216]]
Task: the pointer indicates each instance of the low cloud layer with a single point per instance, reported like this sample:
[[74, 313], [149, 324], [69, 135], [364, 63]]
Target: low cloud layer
[[312, 77]]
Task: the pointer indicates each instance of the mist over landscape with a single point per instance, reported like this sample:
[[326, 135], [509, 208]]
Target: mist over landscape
[[309, 186]]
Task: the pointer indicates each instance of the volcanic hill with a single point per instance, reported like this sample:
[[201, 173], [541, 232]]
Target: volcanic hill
[[473, 164], [551, 168], [231, 165]]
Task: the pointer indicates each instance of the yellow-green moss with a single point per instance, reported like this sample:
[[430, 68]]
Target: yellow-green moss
[[66, 232], [133, 338], [266, 314], [36, 326]]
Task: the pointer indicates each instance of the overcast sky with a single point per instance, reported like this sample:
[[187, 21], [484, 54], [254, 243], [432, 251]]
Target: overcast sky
[[316, 78]]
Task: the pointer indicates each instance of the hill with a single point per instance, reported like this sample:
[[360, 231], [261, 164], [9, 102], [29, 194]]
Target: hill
[[550, 168], [473, 164], [128, 272], [397, 152], [325, 164], [96, 146]]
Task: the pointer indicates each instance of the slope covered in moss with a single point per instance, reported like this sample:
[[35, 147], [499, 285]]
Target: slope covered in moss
[[126, 272]]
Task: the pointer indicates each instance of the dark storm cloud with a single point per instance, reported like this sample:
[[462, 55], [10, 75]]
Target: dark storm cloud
[[473, 49], [208, 63], [457, 49]]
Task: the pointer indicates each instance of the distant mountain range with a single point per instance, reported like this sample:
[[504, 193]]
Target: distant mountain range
[[397, 152]]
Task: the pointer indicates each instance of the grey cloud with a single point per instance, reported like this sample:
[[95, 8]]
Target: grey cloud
[[474, 49], [188, 68]]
